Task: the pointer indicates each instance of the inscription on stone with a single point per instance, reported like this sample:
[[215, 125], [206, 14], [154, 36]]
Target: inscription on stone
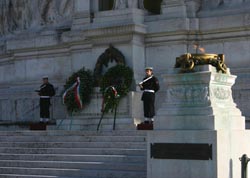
[[187, 151]]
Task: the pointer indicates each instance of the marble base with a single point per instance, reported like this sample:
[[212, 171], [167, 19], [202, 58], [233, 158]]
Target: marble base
[[227, 148], [199, 109]]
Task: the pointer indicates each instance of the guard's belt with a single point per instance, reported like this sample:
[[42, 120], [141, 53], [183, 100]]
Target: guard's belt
[[151, 91], [44, 96]]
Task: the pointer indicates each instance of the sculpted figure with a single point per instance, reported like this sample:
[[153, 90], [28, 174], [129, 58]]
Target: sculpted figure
[[19, 15], [122, 4]]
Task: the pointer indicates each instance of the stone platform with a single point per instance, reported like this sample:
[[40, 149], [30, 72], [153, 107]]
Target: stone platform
[[198, 131]]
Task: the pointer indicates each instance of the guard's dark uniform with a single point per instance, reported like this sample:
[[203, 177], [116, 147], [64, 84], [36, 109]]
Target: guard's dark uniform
[[149, 87], [46, 91]]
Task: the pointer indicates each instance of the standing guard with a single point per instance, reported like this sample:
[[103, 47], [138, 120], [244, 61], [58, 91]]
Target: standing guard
[[149, 85], [45, 92]]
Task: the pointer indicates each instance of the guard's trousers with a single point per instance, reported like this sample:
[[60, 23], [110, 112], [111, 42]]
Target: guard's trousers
[[148, 99], [44, 107]]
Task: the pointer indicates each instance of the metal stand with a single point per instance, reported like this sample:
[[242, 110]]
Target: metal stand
[[71, 122], [115, 117], [244, 160], [102, 118]]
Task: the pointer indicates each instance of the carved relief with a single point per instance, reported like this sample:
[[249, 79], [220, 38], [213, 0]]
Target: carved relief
[[188, 95], [111, 54], [221, 93], [247, 19], [172, 2], [208, 4], [23, 14], [212, 3]]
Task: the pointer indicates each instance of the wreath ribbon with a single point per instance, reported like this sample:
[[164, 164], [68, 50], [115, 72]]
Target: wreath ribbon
[[115, 93], [76, 88]]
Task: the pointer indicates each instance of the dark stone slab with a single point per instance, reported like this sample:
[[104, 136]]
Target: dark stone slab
[[186, 151], [145, 126], [38, 126]]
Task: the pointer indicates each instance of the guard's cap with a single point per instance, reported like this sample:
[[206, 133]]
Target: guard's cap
[[149, 68], [45, 77]]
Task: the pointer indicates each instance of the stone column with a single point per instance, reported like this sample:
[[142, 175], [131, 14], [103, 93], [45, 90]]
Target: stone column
[[193, 6], [174, 8], [81, 14], [198, 131], [124, 28]]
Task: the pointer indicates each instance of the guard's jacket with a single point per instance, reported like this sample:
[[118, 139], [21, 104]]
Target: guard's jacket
[[46, 92], [149, 87]]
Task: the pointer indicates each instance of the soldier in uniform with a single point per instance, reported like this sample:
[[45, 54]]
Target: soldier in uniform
[[149, 85], [45, 92]]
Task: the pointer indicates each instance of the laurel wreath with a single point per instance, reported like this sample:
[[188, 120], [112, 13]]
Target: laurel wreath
[[120, 77], [86, 89]]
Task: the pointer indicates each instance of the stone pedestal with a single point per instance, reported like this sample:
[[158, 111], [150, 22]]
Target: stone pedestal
[[198, 130], [174, 8], [125, 30]]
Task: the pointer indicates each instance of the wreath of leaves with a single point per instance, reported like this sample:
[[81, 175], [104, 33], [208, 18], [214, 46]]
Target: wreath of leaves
[[86, 89], [120, 77]]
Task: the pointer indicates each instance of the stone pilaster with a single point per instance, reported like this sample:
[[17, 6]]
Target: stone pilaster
[[174, 8], [82, 14], [124, 28]]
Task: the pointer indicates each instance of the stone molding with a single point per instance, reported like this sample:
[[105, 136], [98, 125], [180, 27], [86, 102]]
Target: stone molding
[[116, 34], [118, 30], [203, 97]]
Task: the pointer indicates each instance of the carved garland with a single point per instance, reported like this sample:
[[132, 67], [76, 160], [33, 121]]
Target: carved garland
[[111, 54]]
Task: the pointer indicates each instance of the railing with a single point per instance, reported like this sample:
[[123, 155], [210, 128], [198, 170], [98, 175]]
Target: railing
[[244, 161]]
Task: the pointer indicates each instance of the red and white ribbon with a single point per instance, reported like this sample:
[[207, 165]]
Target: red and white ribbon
[[76, 88]]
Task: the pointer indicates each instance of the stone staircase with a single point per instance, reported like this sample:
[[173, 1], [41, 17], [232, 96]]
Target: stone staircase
[[73, 154], [78, 123]]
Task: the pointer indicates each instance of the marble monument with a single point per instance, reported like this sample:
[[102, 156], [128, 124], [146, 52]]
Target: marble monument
[[58, 37]]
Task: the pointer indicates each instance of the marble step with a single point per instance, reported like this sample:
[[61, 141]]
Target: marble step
[[78, 123], [73, 154], [74, 151], [82, 121], [27, 176], [135, 145], [73, 133], [73, 172], [74, 165], [73, 138], [91, 127], [76, 158]]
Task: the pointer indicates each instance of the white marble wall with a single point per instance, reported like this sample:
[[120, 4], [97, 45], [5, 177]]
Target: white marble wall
[[76, 38]]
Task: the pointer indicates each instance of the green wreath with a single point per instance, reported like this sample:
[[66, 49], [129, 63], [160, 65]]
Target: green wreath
[[85, 90], [115, 84]]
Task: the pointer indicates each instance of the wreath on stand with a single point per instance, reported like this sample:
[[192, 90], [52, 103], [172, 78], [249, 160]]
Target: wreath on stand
[[78, 90], [114, 85]]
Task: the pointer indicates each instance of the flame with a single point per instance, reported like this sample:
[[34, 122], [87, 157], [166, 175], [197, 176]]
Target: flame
[[202, 50]]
